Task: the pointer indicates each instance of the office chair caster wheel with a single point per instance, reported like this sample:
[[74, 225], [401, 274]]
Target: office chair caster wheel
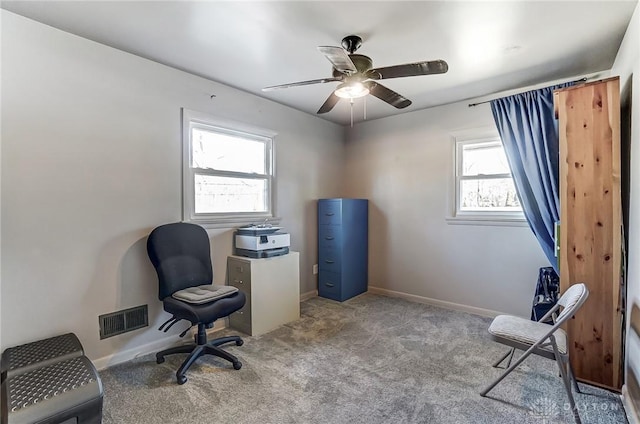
[[239, 342], [237, 365], [159, 359], [182, 379]]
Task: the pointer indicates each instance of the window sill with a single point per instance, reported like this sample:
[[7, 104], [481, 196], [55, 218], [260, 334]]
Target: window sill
[[495, 221], [232, 222]]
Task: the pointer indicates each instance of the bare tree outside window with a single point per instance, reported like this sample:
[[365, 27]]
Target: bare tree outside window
[[483, 179], [228, 193], [227, 170]]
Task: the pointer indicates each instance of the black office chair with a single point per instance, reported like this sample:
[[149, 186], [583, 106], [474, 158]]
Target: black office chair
[[180, 253]]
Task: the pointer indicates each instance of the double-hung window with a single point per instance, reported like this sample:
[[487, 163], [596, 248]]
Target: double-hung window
[[228, 174], [484, 188]]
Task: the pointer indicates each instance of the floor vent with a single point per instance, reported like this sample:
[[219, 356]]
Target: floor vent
[[123, 321]]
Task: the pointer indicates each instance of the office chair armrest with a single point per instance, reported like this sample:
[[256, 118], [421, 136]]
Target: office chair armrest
[[171, 320]]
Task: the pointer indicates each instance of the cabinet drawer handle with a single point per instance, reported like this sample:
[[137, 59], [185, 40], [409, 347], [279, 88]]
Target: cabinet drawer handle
[[329, 284], [238, 281], [328, 238], [329, 261], [329, 214]]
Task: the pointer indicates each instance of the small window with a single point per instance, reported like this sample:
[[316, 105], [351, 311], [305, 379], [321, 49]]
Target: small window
[[227, 171], [484, 185]]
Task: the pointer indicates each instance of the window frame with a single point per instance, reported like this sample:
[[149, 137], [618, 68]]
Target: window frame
[[478, 217], [193, 119]]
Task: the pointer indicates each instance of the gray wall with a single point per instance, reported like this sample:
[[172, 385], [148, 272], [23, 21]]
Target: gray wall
[[91, 162], [404, 164]]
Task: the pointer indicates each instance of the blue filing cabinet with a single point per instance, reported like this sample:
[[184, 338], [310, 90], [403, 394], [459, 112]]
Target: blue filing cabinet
[[343, 241]]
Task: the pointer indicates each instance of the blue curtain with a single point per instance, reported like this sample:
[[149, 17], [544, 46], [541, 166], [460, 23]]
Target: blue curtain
[[529, 133]]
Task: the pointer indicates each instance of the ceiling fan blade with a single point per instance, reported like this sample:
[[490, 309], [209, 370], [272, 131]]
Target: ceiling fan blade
[[331, 101], [339, 59], [387, 95], [412, 69], [297, 84]]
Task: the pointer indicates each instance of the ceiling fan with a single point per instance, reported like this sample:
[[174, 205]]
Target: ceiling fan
[[358, 77]]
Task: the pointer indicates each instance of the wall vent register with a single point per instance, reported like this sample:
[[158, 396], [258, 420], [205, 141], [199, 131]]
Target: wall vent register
[[123, 321]]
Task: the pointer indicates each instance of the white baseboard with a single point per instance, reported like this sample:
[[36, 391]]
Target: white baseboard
[[632, 414], [153, 347], [129, 354], [435, 302], [308, 295]]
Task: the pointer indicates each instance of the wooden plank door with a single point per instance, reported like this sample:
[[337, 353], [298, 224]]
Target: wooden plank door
[[590, 220]]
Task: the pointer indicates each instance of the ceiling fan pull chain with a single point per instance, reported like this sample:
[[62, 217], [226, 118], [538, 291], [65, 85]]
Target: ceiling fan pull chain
[[365, 108], [351, 103]]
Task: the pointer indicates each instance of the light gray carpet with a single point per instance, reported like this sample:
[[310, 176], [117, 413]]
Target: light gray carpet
[[372, 359]]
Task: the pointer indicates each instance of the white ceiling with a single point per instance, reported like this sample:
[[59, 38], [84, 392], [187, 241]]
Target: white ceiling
[[490, 46]]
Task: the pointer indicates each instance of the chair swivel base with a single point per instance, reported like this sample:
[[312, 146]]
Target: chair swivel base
[[202, 347]]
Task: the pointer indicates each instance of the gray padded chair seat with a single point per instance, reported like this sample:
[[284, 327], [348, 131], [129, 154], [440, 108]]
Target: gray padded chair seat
[[204, 294], [526, 331]]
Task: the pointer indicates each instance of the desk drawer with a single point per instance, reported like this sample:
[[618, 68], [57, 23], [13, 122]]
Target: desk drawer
[[329, 212], [329, 236], [330, 260], [241, 319], [239, 275], [329, 285]]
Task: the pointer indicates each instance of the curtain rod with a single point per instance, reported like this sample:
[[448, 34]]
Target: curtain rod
[[583, 79]]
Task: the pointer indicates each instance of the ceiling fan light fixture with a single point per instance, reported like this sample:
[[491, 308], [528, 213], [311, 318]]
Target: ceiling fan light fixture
[[351, 91]]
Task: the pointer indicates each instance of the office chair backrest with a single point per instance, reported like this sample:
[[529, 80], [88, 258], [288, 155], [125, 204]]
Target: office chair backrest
[[181, 255], [572, 300]]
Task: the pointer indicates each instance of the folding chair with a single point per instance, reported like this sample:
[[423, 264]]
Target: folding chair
[[539, 338]]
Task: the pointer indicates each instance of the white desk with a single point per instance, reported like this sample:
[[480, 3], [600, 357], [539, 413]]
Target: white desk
[[272, 287]]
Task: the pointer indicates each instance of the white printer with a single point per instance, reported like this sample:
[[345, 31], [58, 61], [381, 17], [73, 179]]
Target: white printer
[[261, 241]]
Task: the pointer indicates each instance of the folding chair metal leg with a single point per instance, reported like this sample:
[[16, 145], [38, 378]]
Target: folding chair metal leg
[[503, 357], [508, 371], [513, 351], [565, 378], [573, 376]]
